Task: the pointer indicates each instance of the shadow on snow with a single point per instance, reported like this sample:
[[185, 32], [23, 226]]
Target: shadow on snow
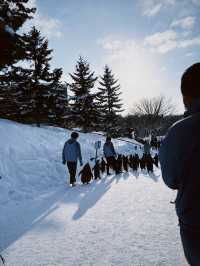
[[27, 215]]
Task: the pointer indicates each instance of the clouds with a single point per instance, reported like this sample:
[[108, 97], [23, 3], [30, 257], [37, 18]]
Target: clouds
[[178, 35], [186, 23], [150, 12], [149, 43], [140, 65], [153, 7], [164, 42], [190, 42], [50, 27], [140, 72]]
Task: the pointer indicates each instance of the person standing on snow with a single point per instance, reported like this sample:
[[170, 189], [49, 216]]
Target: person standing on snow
[[71, 154], [147, 147], [109, 153], [179, 159]]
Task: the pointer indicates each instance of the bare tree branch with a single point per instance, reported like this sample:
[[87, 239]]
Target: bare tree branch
[[155, 107], [151, 111]]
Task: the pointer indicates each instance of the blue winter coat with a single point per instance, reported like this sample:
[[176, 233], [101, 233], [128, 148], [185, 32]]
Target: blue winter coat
[[71, 151], [109, 149], [180, 164]]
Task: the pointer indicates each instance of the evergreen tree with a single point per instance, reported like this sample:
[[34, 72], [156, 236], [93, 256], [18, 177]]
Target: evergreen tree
[[39, 81], [58, 105], [109, 101], [8, 96], [84, 113], [13, 14]]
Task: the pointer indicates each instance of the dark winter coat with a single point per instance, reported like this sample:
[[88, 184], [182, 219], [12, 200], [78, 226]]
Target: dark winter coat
[[179, 159], [109, 149], [72, 151]]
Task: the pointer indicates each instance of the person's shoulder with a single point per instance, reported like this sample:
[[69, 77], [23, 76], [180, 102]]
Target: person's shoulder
[[77, 143], [184, 129], [178, 124], [186, 123]]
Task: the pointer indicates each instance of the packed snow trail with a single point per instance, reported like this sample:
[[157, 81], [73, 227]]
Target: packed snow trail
[[120, 220], [124, 220]]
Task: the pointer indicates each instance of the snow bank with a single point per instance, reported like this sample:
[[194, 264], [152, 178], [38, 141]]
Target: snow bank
[[31, 158]]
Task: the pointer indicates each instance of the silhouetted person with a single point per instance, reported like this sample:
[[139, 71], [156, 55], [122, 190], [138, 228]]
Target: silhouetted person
[[109, 153], [147, 147], [71, 154], [179, 159]]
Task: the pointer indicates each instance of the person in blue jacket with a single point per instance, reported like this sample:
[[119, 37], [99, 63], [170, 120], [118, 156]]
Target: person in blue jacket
[[71, 154], [109, 153], [179, 159]]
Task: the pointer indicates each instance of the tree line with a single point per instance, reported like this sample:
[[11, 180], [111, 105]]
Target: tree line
[[31, 92]]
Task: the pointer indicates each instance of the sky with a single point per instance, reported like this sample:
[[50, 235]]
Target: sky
[[147, 43]]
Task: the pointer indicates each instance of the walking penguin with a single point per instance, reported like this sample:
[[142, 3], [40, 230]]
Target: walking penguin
[[86, 174]]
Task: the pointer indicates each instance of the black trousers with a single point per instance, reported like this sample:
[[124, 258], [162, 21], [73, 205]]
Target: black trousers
[[191, 245], [110, 163], [72, 171]]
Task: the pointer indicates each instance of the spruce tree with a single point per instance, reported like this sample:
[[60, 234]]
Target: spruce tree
[[84, 113], [39, 81], [109, 101], [58, 105], [13, 15], [8, 96]]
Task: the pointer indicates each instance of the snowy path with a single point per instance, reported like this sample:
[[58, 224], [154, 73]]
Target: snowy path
[[124, 220]]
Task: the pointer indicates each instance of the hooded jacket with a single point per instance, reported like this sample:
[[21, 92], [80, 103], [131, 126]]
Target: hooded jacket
[[71, 151], [180, 160]]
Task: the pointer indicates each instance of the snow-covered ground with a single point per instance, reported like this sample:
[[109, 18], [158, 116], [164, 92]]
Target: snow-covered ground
[[119, 220]]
